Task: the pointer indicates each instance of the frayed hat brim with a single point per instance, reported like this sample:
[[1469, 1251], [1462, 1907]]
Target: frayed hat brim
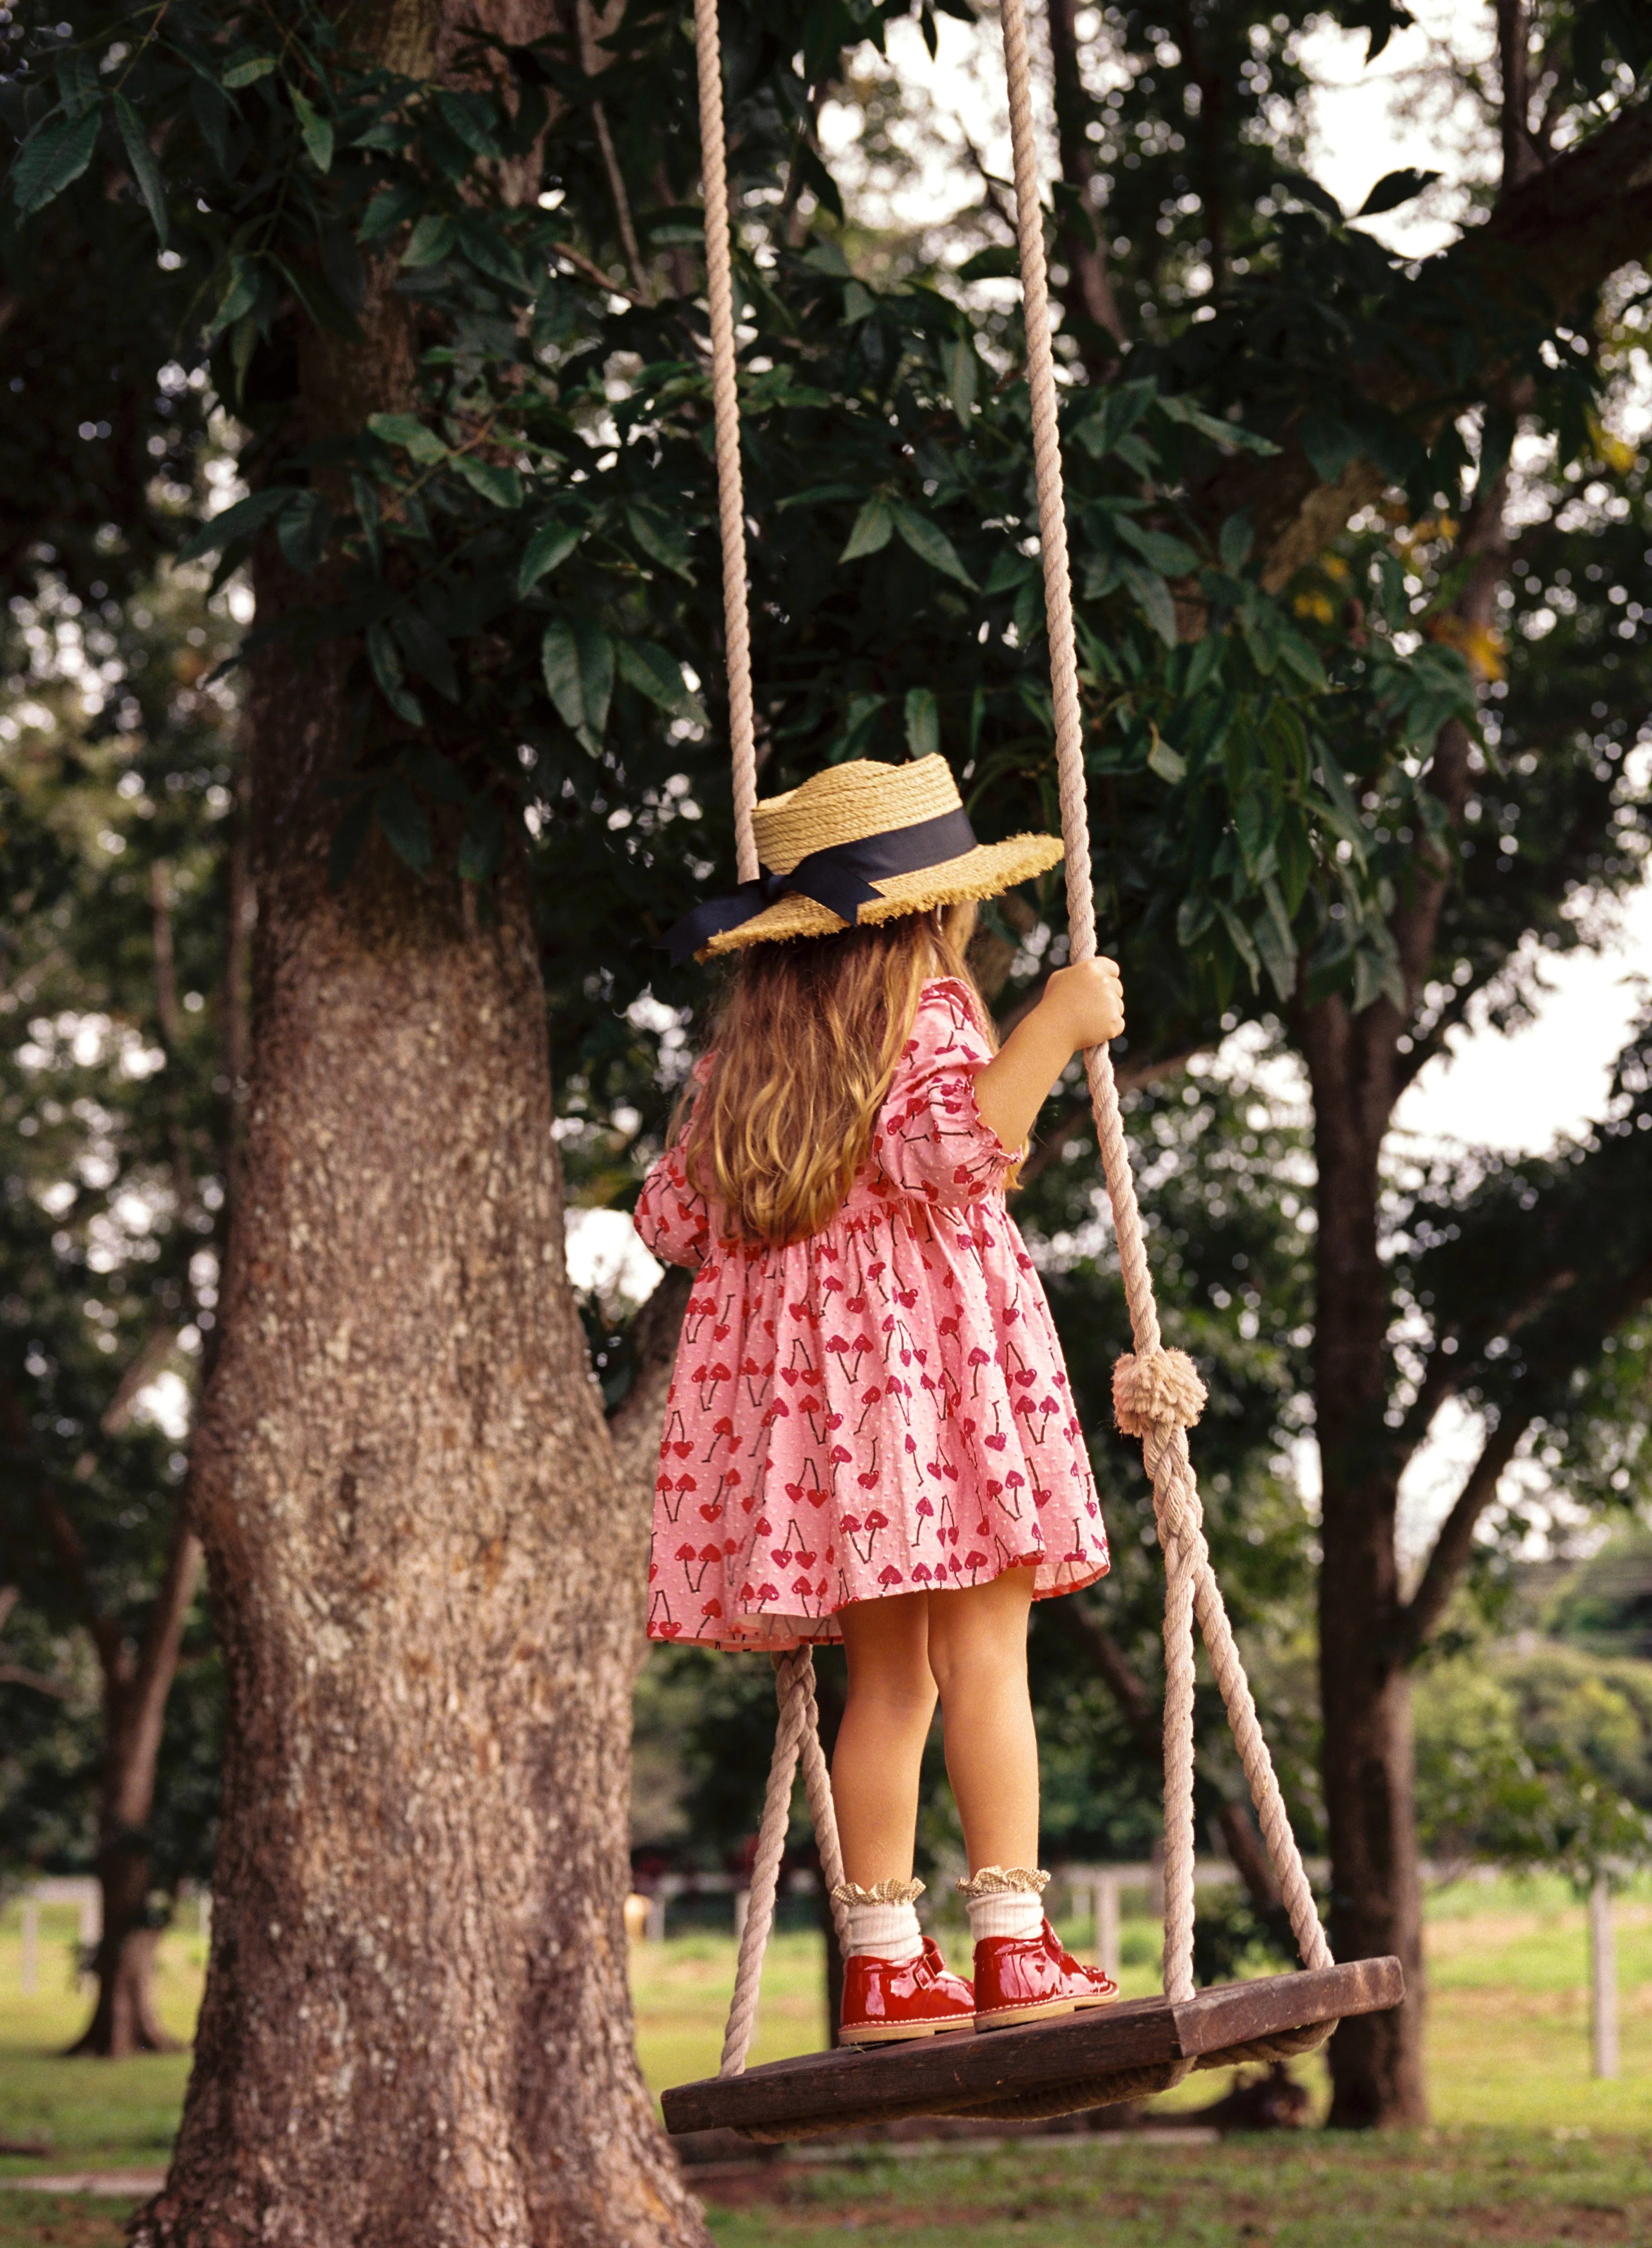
[[986, 872]]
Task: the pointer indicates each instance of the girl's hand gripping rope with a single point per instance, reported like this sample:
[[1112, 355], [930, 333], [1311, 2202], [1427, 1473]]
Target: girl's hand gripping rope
[[1082, 1006]]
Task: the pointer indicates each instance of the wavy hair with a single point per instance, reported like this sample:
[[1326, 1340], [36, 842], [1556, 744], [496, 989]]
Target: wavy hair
[[802, 1047]]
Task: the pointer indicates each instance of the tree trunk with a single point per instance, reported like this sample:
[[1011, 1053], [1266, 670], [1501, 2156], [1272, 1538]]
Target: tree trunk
[[1087, 297], [1376, 2062], [427, 1582], [135, 1687]]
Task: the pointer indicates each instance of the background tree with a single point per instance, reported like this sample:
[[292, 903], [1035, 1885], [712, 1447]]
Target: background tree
[[123, 981]]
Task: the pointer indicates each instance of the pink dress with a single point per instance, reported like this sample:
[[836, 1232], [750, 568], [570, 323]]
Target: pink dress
[[880, 1408]]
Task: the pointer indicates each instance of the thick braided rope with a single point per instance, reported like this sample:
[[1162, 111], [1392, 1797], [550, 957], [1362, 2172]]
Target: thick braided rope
[[1190, 1581], [794, 1689], [816, 1783], [725, 401]]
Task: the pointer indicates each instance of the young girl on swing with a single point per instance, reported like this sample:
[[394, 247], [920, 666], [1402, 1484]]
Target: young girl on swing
[[870, 1433]]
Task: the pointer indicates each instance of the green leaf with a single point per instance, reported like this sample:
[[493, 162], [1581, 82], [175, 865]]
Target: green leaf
[[923, 723], [858, 303], [576, 658], [1329, 444], [52, 159], [501, 485], [930, 543], [659, 538], [77, 77], [405, 830], [960, 370], [390, 209], [1152, 597], [426, 653], [1238, 536], [1194, 916], [241, 521], [1169, 763], [432, 239], [301, 531], [1394, 189], [317, 131], [1009, 570], [482, 846], [492, 255], [245, 67], [468, 116], [550, 544], [1241, 940], [657, 674], [1263, 629], [1171, 558], [1001, 262], [407, 431], [873, 527], [145, 170], [240, 295], [386, 669], [1205, 663]]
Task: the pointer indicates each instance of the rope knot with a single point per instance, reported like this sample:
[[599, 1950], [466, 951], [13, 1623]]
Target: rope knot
[[1159, 1390]]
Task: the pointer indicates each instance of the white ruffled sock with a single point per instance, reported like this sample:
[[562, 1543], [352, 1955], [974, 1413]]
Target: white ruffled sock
[[1004, 1900], [883, 1920]]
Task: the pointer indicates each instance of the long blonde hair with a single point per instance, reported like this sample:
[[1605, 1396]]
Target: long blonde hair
[[802, 1047]]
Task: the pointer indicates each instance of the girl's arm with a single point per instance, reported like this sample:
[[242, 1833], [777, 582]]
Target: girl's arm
[[1081, 1006]]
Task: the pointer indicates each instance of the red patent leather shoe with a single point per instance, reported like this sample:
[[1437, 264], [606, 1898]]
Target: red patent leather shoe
[[1030, 1978], [885, 2000]]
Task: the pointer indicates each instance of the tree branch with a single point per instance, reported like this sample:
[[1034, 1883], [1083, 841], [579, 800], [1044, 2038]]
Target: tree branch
[[1556, 236], [1080, 1623], [588, 64], [1092, 308], [1443, 1572]]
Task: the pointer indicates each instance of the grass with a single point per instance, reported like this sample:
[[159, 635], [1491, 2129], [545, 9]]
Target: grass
[[1528, 2148], [1420, 2190]]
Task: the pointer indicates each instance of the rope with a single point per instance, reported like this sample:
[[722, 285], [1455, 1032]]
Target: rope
[[1157, 1393], [1190, 1583], [725, 402]]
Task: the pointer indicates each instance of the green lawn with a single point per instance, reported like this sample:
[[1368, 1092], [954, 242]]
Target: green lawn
[[1527, 2148]]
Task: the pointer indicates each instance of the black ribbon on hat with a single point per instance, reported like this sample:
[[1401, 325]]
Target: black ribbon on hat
[[840, 878]]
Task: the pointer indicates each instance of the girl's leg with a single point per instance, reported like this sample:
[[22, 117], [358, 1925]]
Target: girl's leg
[[886, 1721], [978, 1657]]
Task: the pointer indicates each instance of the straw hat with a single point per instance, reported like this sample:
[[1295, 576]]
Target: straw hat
[[882, 840]]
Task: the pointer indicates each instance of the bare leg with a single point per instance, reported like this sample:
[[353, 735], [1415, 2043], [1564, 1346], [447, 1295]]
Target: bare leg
[[886, 1721], [978, 1657]]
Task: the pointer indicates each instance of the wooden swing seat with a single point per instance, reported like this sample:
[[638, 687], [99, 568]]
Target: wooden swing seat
[[1081, 2060]]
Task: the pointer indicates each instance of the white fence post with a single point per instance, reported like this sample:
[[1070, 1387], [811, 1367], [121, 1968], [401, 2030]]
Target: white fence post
[[1107, 1924], [29, 1959], [1603, 1980]]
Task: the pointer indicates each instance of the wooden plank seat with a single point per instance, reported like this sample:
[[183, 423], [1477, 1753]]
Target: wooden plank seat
[[1081, 2061]]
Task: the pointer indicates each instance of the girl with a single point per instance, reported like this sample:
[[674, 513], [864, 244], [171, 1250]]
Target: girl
[[869, 1433]]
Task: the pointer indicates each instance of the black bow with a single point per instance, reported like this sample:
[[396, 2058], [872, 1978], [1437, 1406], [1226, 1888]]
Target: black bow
[[840, 877]]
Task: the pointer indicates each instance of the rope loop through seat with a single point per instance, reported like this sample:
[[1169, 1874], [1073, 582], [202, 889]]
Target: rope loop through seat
[[1157, 1393]]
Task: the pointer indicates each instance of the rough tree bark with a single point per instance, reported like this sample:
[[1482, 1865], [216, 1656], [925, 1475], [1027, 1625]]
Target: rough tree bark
[[424, 1576]]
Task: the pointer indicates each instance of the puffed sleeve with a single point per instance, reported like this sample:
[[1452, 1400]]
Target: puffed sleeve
[[672, 1217], [931, 1142]]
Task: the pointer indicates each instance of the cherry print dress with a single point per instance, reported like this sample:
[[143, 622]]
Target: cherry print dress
[[880, 1408]]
